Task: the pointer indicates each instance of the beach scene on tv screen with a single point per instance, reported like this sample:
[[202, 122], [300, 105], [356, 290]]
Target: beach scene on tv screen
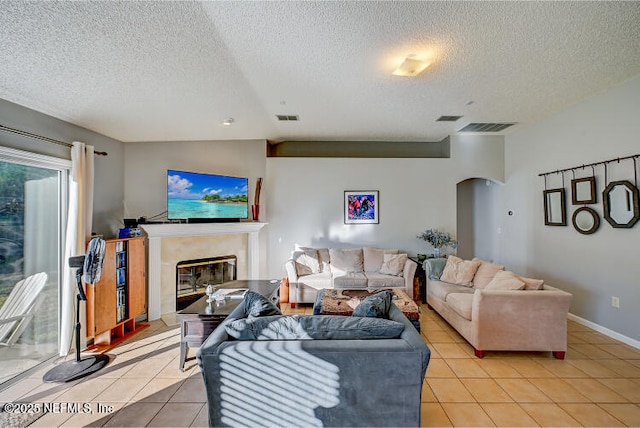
[[194, 195]]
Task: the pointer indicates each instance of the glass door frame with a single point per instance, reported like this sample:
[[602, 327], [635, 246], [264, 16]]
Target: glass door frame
[[63, 166]]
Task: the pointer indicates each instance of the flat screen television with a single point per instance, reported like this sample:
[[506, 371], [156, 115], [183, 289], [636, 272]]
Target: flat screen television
[[198, 197]]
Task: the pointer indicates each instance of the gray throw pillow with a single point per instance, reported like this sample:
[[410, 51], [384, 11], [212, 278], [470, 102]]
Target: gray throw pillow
[[256, 305], [318, 327], [375, 306], [436, 267]]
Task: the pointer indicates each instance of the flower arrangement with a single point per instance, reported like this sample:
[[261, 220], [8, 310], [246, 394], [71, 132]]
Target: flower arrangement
[[438, 239]]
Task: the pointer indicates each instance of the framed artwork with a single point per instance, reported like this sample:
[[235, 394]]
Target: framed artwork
[[583, 190], [554, 207], [361, 207]]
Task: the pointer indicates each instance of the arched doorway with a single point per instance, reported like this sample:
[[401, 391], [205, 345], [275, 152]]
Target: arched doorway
[[478, 225]]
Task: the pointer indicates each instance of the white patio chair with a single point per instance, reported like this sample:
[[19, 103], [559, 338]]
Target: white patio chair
[[18, 310]]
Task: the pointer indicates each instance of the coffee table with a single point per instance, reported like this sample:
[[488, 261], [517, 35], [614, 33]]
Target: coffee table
[[199, 319], [336, 302]]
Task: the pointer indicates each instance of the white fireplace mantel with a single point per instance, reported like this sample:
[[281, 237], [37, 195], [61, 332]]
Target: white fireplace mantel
[[156, 232]]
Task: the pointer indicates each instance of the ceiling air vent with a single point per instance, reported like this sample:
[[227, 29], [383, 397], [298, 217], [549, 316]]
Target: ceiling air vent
[[486, 127], [448, 118], [287, 117]]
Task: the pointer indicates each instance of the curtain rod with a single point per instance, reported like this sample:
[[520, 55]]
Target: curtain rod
[[41, 138], [590, 164]]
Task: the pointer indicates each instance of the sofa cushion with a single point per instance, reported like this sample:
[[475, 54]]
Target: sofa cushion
[[318, 327], [256, 305], [316, 280], [378, 280], [458, 271], [505, 280], [375, 306], [350, 280], [323, 256], [301, 263], [393, 264], [346, 260], [306, 261], [374, 257], [531, 284], [436, 266], [485, 273], [461, 304], [440, 290]]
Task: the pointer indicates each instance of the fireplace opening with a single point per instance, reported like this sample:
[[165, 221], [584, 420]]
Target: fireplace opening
[[193, 276]]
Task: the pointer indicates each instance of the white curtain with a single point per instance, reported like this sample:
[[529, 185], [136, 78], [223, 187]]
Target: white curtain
[[79, 221]]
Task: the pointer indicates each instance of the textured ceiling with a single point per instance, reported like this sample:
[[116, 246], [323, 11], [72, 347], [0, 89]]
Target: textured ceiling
[[158, 71]]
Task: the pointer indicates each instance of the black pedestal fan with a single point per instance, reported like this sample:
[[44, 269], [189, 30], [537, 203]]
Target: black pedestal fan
[[91, 265]]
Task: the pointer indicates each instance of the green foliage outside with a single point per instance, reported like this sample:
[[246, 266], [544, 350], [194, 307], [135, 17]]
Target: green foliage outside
[[12, 195], [227, 199]]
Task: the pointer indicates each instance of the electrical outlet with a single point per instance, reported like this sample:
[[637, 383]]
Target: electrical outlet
[[615, 302]]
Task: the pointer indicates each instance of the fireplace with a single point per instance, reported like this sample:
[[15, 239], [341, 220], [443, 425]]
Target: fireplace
[[193, 276], [170, 243]]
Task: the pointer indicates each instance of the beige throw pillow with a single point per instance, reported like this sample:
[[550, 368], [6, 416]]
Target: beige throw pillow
[[485, 273], [323, 256], [458, 271], [374, 257], [345, 260], [531, 284], [393, 264], [306, 262], [505, 280]]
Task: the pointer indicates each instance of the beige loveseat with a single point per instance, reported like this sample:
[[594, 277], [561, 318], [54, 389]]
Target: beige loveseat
[[311, 269], [496, 310]]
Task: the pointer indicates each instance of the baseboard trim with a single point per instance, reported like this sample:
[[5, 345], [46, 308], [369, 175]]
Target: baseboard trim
[[612, 334]]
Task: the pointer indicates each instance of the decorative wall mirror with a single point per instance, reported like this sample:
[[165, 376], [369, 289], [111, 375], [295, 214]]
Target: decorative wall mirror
[[583, 191], [586, 220], [554, 207], [621, 208]]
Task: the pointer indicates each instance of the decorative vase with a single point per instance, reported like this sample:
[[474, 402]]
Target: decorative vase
[[255, 212], [436, 252]]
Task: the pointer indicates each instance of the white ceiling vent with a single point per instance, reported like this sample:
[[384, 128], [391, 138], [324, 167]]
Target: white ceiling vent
[[448, 118], [486, 127], [287, 117]]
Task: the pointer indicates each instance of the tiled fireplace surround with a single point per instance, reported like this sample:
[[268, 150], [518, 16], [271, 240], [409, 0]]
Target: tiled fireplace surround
[[171, 243]]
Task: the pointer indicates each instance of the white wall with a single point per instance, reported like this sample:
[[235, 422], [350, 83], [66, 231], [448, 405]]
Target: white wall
[[306, 197], [109, 171], [592, 267], [146, 166]]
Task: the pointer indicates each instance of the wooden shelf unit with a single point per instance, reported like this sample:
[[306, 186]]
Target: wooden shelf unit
[[114, 302]]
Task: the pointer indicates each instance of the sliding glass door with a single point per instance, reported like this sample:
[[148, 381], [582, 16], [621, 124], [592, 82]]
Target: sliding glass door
[[32, 207]]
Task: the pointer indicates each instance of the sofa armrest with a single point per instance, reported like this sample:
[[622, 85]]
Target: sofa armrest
[[411, 336], [292, 274], [524, 319], [408, 273], [219, 334]]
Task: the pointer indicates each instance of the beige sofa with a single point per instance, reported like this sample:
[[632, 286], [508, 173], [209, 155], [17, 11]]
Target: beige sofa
[[311, 269], [499, 313]]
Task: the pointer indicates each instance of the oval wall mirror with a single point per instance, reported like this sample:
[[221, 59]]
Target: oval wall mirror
[[586, 220], [620, 199]]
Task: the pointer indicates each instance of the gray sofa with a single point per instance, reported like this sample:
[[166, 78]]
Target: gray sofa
[[314, 382]]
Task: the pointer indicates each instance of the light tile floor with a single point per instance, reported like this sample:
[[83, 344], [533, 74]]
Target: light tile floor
[[598, 384]]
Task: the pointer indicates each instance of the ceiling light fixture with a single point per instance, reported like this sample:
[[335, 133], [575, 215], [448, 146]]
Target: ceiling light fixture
[[228, 121], [411, 67]]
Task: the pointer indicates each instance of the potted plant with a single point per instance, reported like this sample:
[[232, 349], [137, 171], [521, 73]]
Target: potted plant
[[438, 239]]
